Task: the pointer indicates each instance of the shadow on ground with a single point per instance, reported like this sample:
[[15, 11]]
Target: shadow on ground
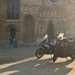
[[36, 67], [14, 54]]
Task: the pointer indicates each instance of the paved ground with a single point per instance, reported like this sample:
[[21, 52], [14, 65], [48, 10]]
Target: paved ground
[[32, 66], [21, 61], [10, 55]]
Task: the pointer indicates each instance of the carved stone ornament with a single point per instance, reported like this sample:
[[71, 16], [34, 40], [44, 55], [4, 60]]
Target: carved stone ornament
[[53, 1]]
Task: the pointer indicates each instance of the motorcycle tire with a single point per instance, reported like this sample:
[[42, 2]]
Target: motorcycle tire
[[39, 53]]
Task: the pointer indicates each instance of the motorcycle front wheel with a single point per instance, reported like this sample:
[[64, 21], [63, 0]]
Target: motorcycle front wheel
[[39, 53]]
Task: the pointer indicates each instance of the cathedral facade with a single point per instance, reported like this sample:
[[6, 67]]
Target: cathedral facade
[[34, 18]]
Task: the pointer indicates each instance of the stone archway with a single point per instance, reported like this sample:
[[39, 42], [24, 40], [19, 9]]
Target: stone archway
[[12, 40], [50, 30], [29, 26]]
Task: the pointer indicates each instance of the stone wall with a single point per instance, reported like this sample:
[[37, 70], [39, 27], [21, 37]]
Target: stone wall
[[70, 17], [3, 27], [34, 8], [35, 18]]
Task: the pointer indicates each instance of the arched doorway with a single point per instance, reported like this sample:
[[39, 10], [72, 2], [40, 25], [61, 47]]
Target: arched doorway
[[12, 41], [50, 30], [29, 26]]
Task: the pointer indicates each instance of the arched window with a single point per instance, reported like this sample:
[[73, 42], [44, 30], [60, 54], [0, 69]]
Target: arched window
[[13, 9]]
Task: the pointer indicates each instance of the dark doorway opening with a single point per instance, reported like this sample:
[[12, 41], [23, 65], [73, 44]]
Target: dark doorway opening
[[29, 27], [50, 30], [12, 36]]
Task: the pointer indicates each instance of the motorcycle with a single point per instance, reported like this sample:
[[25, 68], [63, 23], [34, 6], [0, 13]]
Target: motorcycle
[[44, 48]]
